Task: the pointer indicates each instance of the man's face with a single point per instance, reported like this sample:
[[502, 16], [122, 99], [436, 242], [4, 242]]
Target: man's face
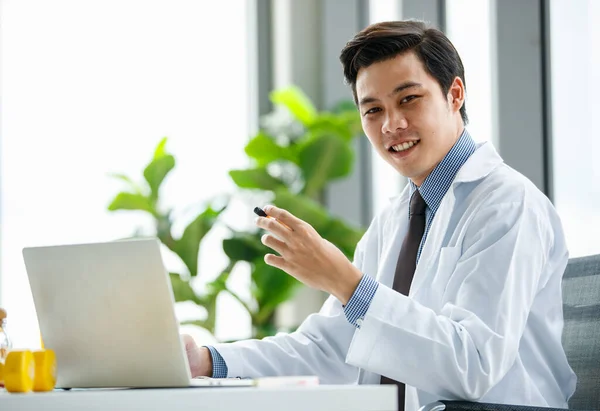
[[408, 120]]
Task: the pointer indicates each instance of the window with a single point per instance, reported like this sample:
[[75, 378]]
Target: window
[[575, 85], [469, 27], [90, 88], [386, 181]]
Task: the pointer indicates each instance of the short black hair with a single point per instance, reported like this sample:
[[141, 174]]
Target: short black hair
[[383, 41]]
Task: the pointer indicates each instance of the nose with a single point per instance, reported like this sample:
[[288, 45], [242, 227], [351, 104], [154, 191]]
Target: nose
[[394, 121]]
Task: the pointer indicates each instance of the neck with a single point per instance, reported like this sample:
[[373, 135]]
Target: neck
[[419, 181]]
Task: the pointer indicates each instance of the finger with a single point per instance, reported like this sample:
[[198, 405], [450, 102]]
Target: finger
[[275, 261], [283, 216], [274, 243], [274, 226], [188, 341]]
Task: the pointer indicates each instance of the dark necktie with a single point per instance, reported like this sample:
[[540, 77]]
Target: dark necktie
[[406, 265]]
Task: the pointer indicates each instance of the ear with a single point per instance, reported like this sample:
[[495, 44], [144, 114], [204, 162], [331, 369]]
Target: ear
[[456, 94]]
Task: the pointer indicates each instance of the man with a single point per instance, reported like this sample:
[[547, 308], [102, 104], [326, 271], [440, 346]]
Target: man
[[455, 289]]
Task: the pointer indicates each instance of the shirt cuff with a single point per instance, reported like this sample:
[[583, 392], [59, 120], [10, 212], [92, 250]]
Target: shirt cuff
[[219, 364], [360, 301]]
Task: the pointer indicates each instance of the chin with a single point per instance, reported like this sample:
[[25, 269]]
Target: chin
[[411, 174], [407, 171]]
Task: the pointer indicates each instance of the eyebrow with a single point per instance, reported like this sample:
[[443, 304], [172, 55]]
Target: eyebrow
[[398, 89]]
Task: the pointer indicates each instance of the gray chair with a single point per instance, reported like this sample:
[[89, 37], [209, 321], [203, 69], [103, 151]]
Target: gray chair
[[581, 341]]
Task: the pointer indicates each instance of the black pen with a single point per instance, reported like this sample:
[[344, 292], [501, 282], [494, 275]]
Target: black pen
[[261, 213]]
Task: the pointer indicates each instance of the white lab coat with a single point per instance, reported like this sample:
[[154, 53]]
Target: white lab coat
[[483, 319]]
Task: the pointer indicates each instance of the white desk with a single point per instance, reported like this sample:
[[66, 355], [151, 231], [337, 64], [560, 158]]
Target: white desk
[[319, 398]]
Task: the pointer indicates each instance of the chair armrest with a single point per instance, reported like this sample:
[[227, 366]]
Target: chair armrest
[[481, 406]]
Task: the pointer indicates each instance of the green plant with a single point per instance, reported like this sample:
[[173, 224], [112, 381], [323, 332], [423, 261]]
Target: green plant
[[145, 197], [297, 152], [293, 161]]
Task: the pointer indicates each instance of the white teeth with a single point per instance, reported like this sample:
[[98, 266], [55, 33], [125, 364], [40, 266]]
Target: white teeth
[[404, 146]]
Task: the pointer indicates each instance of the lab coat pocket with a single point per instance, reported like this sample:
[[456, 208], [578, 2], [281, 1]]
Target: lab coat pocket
[[444, 269]]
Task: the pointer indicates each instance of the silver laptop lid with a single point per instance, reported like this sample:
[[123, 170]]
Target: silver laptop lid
[[107, 311]]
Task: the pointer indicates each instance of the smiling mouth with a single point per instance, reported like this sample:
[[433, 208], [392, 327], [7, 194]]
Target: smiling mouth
[[403, 147]]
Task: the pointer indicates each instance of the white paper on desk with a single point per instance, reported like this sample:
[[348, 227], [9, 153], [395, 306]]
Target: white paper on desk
[[293, 381], [221, 382], [288, 381]]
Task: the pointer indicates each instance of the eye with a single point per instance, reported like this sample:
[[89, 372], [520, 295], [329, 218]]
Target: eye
[[372, 111], [408, 99]]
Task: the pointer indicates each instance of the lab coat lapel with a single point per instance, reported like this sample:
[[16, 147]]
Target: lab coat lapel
[[480, 164], [433, 242]]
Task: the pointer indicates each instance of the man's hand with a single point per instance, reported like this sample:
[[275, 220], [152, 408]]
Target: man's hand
[[199, 358], [305, 255]]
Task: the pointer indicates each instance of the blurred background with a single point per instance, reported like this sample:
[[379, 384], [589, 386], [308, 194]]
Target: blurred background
[[176, 117]]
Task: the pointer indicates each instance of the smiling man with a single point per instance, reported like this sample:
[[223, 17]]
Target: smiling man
[[455, 288], [411, 117]]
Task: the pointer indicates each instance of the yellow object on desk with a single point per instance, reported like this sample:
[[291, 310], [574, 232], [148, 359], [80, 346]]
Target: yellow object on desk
[[19, 371], [25, 371], [45, 370]]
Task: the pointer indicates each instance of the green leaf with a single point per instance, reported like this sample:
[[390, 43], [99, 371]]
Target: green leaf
[[347, 112], [271, 287], [324, 158], [182, 290], [304, 208], [199, 323], [132, 184], [124, 178], [160, 150], [264, 150], [255, 178], [330, 124], [344, 106], [245, 247], [131, 201], [218, 284], [342, 236], [264, 328], [296, 102], [156, 172], [188, 245]]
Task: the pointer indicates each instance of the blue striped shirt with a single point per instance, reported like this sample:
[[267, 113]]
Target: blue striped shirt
[[219, 364], [433, 189]]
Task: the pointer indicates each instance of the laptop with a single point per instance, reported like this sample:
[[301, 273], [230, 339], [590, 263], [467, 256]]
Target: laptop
[[107, 310]]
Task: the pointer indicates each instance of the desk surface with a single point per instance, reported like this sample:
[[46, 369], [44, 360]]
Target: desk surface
[[323, 397]]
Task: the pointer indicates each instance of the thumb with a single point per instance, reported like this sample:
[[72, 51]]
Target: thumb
[[189, 342]]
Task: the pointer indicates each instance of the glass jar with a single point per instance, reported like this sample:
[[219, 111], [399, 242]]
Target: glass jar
[[5, 343]]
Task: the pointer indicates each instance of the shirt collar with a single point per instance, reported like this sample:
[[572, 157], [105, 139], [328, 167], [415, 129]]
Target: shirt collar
[[439, 180]]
